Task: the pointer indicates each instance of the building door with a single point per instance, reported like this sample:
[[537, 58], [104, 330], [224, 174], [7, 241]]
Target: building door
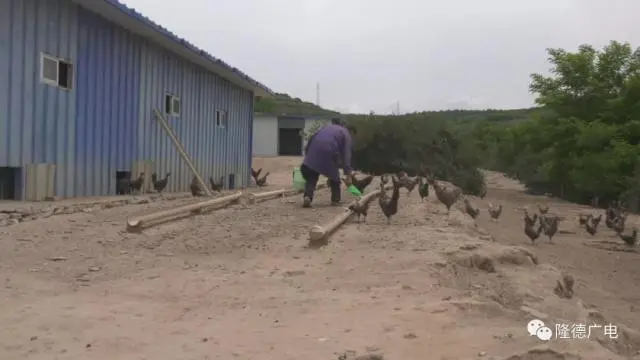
[[8, 184], [289, 142]]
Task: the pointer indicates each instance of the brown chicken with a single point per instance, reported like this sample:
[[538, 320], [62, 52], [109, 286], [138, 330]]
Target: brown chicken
[[136, 184], [592, 225], [409, 183], [262, 181], [255, 173], [470, 210], [389, 204], [216, 186], [631, 239], [159, 184], [384, 180], [532, 232], [618, 226], [549, 226], [495, 211], [446, 196], [360, 208], [195, 187], [612, 214], [423, 189]]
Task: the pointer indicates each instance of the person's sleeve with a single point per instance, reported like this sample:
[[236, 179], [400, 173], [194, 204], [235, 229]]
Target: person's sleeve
[[346, 154]]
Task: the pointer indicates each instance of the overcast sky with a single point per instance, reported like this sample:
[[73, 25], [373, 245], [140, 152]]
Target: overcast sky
[[370, 54]]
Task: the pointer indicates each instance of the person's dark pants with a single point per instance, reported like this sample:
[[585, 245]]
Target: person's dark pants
[[311, 181]]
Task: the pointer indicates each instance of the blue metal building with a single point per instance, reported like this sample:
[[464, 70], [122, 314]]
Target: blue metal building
[[79, 81]]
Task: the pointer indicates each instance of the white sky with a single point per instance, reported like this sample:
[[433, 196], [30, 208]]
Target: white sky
[[370, 54]]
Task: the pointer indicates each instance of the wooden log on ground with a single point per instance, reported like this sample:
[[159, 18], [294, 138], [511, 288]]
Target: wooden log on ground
[[137, 223], [320, 233], [253, 198]]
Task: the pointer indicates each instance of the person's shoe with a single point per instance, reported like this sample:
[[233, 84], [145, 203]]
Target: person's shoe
[[306, 202], [336, 202]]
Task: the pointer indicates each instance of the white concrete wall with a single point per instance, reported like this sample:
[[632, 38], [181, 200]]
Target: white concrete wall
[[265, 136]]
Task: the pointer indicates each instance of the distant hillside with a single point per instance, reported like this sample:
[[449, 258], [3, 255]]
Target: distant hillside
[[283, 104], [461, 117]]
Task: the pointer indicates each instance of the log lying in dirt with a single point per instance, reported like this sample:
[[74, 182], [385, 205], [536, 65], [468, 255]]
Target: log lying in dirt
[[320, 233], [269, 195], [138, 223]]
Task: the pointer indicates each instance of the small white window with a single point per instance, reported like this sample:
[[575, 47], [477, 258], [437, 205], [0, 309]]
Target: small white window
[[171, 105], [56, 72], [221, 118]]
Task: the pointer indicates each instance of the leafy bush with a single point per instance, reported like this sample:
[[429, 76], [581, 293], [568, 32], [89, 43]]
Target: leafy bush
[[417, 144]]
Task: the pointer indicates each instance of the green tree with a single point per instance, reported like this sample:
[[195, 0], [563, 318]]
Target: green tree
[[586, 143]]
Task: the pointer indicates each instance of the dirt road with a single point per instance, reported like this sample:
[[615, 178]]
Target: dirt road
[[241, 284]]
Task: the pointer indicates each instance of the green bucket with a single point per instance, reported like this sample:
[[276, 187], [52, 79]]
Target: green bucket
[[298, 179], [354, 191]]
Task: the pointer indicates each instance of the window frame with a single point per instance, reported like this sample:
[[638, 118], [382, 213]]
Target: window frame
[[222, 119], [172, 98], [56, 82]]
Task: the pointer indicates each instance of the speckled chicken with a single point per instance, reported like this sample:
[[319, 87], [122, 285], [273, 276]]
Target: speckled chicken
[[195, 187], [360, 208], [470, 209], [495, 211], [216, 186], [262, 181], [137, 183], [389, 204], [159, 185], [619, 223], [423, 189], [446, 196], [255, 173], [531, 231], [631, 239], [592, 225], [409, 183], [549, 226]]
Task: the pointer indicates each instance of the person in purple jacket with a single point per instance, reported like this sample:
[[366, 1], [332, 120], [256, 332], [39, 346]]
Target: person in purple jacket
[[327, 150]]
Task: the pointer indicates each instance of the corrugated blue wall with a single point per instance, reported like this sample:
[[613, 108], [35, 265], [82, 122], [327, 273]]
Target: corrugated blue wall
[[105, 122], [215, 151], [108, 77], [37, 121]]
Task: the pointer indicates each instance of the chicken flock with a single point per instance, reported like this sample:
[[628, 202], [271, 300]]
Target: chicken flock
[[126, 185], [388, 198], [537, 224]]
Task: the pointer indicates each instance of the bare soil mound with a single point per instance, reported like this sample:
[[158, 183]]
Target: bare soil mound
[[241, 283]]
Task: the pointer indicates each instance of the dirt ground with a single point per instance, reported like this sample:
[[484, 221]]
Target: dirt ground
[[241, 283]]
